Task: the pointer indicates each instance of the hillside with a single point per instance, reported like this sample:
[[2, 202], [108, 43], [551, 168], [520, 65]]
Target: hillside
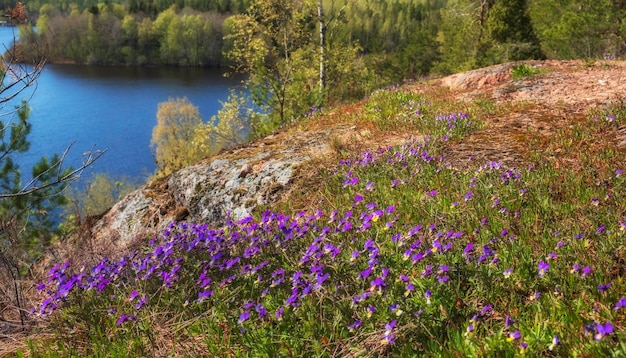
[[266, 171], [502, 164]]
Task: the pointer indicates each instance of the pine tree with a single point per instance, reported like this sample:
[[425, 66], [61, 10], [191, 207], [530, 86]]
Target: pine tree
[[511, 33]]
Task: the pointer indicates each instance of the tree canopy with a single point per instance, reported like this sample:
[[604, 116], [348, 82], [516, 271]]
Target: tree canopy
[[172, 137]]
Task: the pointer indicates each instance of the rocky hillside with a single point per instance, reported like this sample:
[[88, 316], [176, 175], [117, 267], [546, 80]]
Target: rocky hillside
[[266, 171]]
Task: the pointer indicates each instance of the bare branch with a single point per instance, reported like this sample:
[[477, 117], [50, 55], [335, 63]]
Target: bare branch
[[67, 179], [20, 76]]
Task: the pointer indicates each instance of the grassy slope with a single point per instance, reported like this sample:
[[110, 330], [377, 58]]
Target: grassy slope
[[398, 250]]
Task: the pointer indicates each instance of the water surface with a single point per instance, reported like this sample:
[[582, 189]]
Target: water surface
[[111, 108]]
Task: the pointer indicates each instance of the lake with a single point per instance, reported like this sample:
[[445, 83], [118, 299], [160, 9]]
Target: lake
[[111, 108]]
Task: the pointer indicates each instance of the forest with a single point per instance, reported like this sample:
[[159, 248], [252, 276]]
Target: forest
[[398, 39]]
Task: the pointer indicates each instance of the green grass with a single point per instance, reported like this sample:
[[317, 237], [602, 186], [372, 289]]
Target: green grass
[[524, 70], [454, 259]]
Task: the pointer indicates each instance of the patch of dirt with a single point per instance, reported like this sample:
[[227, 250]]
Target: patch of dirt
[[538, 105]]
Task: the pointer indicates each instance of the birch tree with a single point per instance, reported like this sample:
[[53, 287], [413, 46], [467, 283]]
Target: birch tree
[[173, 135]]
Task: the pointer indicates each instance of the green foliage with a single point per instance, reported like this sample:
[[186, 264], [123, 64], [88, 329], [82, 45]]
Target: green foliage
[[174, 134], [235, 122], [580, 29], [28, 227], [28, 203], [524, 70], [101, 192], [478, 34], [509, 27], [111, 35], [394, 109], [397, 40], [273, 46], [458, 38]]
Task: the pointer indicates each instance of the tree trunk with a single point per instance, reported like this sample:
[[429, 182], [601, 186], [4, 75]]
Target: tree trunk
[[322, 20]]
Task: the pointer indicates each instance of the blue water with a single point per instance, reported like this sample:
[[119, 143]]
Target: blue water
[[111, 108]]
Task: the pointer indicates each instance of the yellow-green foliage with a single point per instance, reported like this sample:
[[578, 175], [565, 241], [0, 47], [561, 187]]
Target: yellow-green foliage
[[228, 128], [173, 136], [100, 194]]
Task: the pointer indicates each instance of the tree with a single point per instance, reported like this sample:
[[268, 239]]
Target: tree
[[26, 206], [265, 43], [172, 137], [581, 28], [478, 33], [98, 196], [322, 50], [509, 27], [460, 33], [235, 122]]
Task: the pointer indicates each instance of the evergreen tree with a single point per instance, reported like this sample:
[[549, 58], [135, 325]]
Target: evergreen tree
[[511, 33], [580, 28]]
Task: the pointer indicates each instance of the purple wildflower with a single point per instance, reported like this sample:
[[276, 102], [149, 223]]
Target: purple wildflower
[[365, 273], [142, 301], [243, 317], [356, 324], [513, 336], [555, 342], [354, 256], [621, 303], [428, 295], [389, 338], [125, 318], [395, 308], [586, 271], [508, 322], [279, 313], [603, 330], [522, 347], [261, 310], [543, 268], [467, 251], [428, 270], [358, 199]]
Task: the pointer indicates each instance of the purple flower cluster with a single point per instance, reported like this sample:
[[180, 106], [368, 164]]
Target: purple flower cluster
[[366, 255]]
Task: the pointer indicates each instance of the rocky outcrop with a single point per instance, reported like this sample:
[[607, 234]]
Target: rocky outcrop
[[479, 78], [205, 192], [236, 186], [234, 182]]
